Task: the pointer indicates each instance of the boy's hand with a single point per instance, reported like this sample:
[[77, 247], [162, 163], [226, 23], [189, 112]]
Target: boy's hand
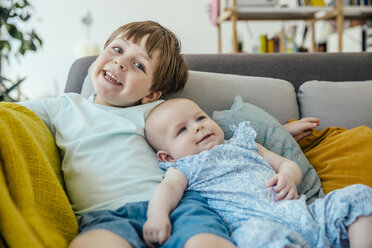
[[157, 230], [284, 186], [301, 128]]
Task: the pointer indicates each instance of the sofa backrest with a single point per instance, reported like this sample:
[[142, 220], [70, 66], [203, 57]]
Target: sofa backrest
[[267, 84], [295, 68]]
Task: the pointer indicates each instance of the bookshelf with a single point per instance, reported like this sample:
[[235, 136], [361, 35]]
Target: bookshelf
[[304, 13]]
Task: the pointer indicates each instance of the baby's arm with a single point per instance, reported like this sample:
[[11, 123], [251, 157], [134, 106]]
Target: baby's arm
[[288, 175], [166, 197], [301, 128]]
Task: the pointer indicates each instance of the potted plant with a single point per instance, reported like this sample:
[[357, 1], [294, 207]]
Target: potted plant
[[14, 42]]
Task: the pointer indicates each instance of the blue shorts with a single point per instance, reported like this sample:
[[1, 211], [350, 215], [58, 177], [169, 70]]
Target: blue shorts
[[192, 216]]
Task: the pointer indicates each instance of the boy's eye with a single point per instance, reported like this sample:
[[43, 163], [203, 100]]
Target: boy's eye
[[200, 118], [139, 66], [118, 49], [181, 130]]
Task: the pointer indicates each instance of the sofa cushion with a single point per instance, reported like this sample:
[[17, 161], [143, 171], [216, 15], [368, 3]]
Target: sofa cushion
[[337, 104], [272, 135], [216, 91], [340, 156]]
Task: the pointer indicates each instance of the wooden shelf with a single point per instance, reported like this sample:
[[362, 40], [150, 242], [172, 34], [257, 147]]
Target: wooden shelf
[[307, 13]]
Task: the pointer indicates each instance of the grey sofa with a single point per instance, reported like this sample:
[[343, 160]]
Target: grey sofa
[[336, 87]]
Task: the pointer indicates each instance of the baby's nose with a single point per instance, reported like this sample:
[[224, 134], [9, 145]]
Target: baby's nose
[[198, 127]]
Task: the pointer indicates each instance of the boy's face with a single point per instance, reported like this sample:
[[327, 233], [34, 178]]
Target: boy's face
[[184, 129], [123, 73]]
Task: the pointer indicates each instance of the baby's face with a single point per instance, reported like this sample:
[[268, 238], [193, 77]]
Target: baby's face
[[187, 130], [123, 73]]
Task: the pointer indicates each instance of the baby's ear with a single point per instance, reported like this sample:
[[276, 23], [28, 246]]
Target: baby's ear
[[164, 156], [153, 96]]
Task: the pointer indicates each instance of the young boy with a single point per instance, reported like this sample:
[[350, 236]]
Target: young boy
[[253, 189], [109, 169]]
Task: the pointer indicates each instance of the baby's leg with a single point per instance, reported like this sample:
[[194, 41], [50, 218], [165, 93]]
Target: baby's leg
[[260, 232], [195, 224], [106, 228], [360, 232], [340, 209]]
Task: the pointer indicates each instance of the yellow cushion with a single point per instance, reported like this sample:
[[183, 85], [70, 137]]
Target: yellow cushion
[[340, 156], [34, 209]]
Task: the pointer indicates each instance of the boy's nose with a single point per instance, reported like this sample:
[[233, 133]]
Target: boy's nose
[[122, 67]]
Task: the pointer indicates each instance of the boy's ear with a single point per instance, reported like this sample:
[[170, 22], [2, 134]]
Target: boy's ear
[[164, 156], [153, 96]]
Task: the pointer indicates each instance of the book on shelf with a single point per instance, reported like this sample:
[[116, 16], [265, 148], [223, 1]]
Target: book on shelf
[[263, 43], [358, 2], [277, 44], [317, 3], [333, 3], [311, 3]]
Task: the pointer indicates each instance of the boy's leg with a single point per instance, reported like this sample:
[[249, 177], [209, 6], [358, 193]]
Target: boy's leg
[[99, 238], [195, 224], [107, 228], [208, 240]]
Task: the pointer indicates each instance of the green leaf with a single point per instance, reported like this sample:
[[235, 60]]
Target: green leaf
[[33, 46], [16, 42], [22, 5], [4, 14], [4, 44], [25, 16], [13, 31]]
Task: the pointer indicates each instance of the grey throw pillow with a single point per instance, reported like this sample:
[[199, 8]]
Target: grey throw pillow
[[337, 104], [272, 135]]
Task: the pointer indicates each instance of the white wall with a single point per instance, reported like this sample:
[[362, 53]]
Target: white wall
[[59, 25]]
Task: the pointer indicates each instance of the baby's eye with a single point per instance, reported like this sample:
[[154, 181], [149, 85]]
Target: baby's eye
[[118, 49], [139, 66], [181, 130], [200, 118]]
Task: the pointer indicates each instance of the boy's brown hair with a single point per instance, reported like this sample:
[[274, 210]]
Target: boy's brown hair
[[171, 72]]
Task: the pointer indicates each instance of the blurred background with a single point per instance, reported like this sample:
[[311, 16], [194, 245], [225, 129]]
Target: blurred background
[[70, 29]]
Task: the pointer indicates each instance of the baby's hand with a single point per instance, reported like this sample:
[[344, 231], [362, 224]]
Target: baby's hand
[[284, 186], [301, 128], [157, 230]]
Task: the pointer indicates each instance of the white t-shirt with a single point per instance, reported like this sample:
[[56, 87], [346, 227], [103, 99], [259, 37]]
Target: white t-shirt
[[106, 159]]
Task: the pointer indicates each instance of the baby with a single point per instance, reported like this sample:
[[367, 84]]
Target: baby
[[252, 188]]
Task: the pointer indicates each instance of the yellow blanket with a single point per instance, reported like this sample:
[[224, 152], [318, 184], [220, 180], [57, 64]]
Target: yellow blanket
[[340, 156], [34, 209]]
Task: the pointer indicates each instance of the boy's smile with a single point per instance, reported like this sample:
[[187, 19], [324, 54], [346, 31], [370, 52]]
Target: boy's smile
[[111, 78], [123, 73]]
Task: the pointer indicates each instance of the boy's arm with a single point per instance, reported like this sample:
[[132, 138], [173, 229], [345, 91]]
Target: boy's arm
[[165, 198], [288, 175], [39, 108], [301, 128]]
